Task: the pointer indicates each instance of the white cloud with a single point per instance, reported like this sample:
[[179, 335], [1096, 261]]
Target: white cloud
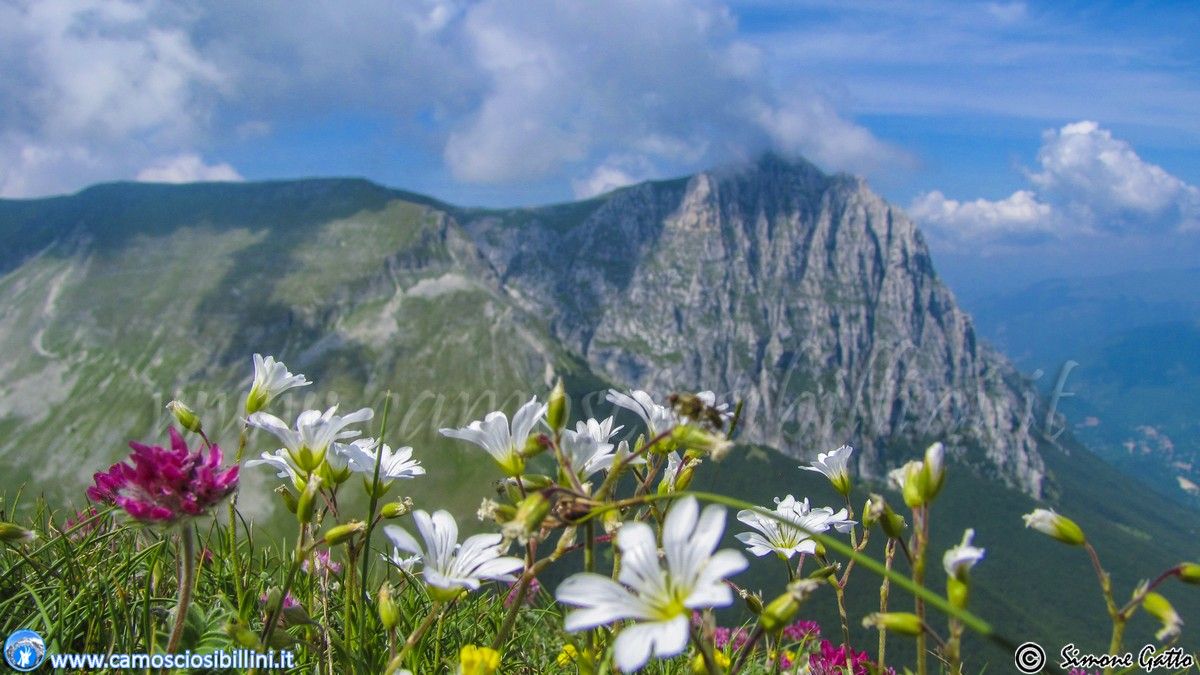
[[1088, 182], [1100, 180], [505, 92], [570, 84], [187, 168], [94, 88], [1019, 215]]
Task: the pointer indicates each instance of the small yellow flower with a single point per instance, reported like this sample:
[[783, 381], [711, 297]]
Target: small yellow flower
[[567, 656], [720, 659], [474, 660]]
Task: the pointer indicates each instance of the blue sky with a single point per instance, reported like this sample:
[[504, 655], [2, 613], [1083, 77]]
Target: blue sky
[[1043, 137]]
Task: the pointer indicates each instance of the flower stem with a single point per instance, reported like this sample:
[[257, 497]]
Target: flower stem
[[885, 587], [921, 533], [231, 540], [413, 639], [510, 618], [274, 613], [1118, 618], [187, 574]]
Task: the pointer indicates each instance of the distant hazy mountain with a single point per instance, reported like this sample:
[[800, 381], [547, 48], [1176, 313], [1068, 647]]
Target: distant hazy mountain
[[803, 294], [1136, 339]]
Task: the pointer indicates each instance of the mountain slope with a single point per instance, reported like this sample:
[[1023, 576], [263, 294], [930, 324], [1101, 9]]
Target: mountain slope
[[803, 294]]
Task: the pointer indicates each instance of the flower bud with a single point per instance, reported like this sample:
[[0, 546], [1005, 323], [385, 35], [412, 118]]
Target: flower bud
[[872, 511], [340, 533], [958, 591], [684, 479], [934, 469], [15, 534], [308, 500], [913, 483], [389, 613], [1052, 524], [274, 599], [289, 499], [527, 520], [186, 417], [1189, 573], [825, 572], [558, 407], [753, 602], [1160, 608], [892, 524], [779, 612], [397, 509], [535, 445], [695, 438], [904, 623]]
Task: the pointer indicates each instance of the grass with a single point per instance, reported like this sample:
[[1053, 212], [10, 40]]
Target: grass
[[110, 586]]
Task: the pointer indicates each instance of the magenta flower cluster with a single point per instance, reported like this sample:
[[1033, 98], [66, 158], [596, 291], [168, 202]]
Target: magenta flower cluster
[[830, 660], [165, 486]]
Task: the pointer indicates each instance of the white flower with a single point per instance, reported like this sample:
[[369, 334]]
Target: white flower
[[393, 465], [587, 447], [795, 536], [834, 466], [959, 560], [271, 378], [1060, 527], [656, 417], [671, 473], [281, 460], [503, 443], [448, 566], [314, 432], [401, 561], [659, 597]]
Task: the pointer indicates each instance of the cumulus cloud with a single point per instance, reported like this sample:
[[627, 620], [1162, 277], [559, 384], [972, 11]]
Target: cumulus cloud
[[187, 168], [95, 87], [568, 84], [1087, 182], [1100, 180], [504, 92]]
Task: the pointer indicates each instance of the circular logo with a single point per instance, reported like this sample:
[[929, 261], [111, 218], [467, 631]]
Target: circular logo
[[1029, 658], [24, 650]]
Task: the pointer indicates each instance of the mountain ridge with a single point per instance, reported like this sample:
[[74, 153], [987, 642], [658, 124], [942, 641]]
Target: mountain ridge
[[803, 293]]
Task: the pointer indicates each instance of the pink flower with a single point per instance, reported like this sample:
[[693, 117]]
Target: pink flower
[[801, 631], [734, 638], [322, 563], [830, 660], [165, 486], [531, 593], [82, 517], [289, 600]]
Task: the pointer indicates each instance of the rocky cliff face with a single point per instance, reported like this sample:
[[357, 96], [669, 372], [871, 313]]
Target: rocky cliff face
[[806, 295]]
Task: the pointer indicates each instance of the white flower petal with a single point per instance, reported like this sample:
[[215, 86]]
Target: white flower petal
[[636, 644]]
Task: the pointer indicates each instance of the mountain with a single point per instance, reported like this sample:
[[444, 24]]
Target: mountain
[[1133, 338], [803, 294]]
